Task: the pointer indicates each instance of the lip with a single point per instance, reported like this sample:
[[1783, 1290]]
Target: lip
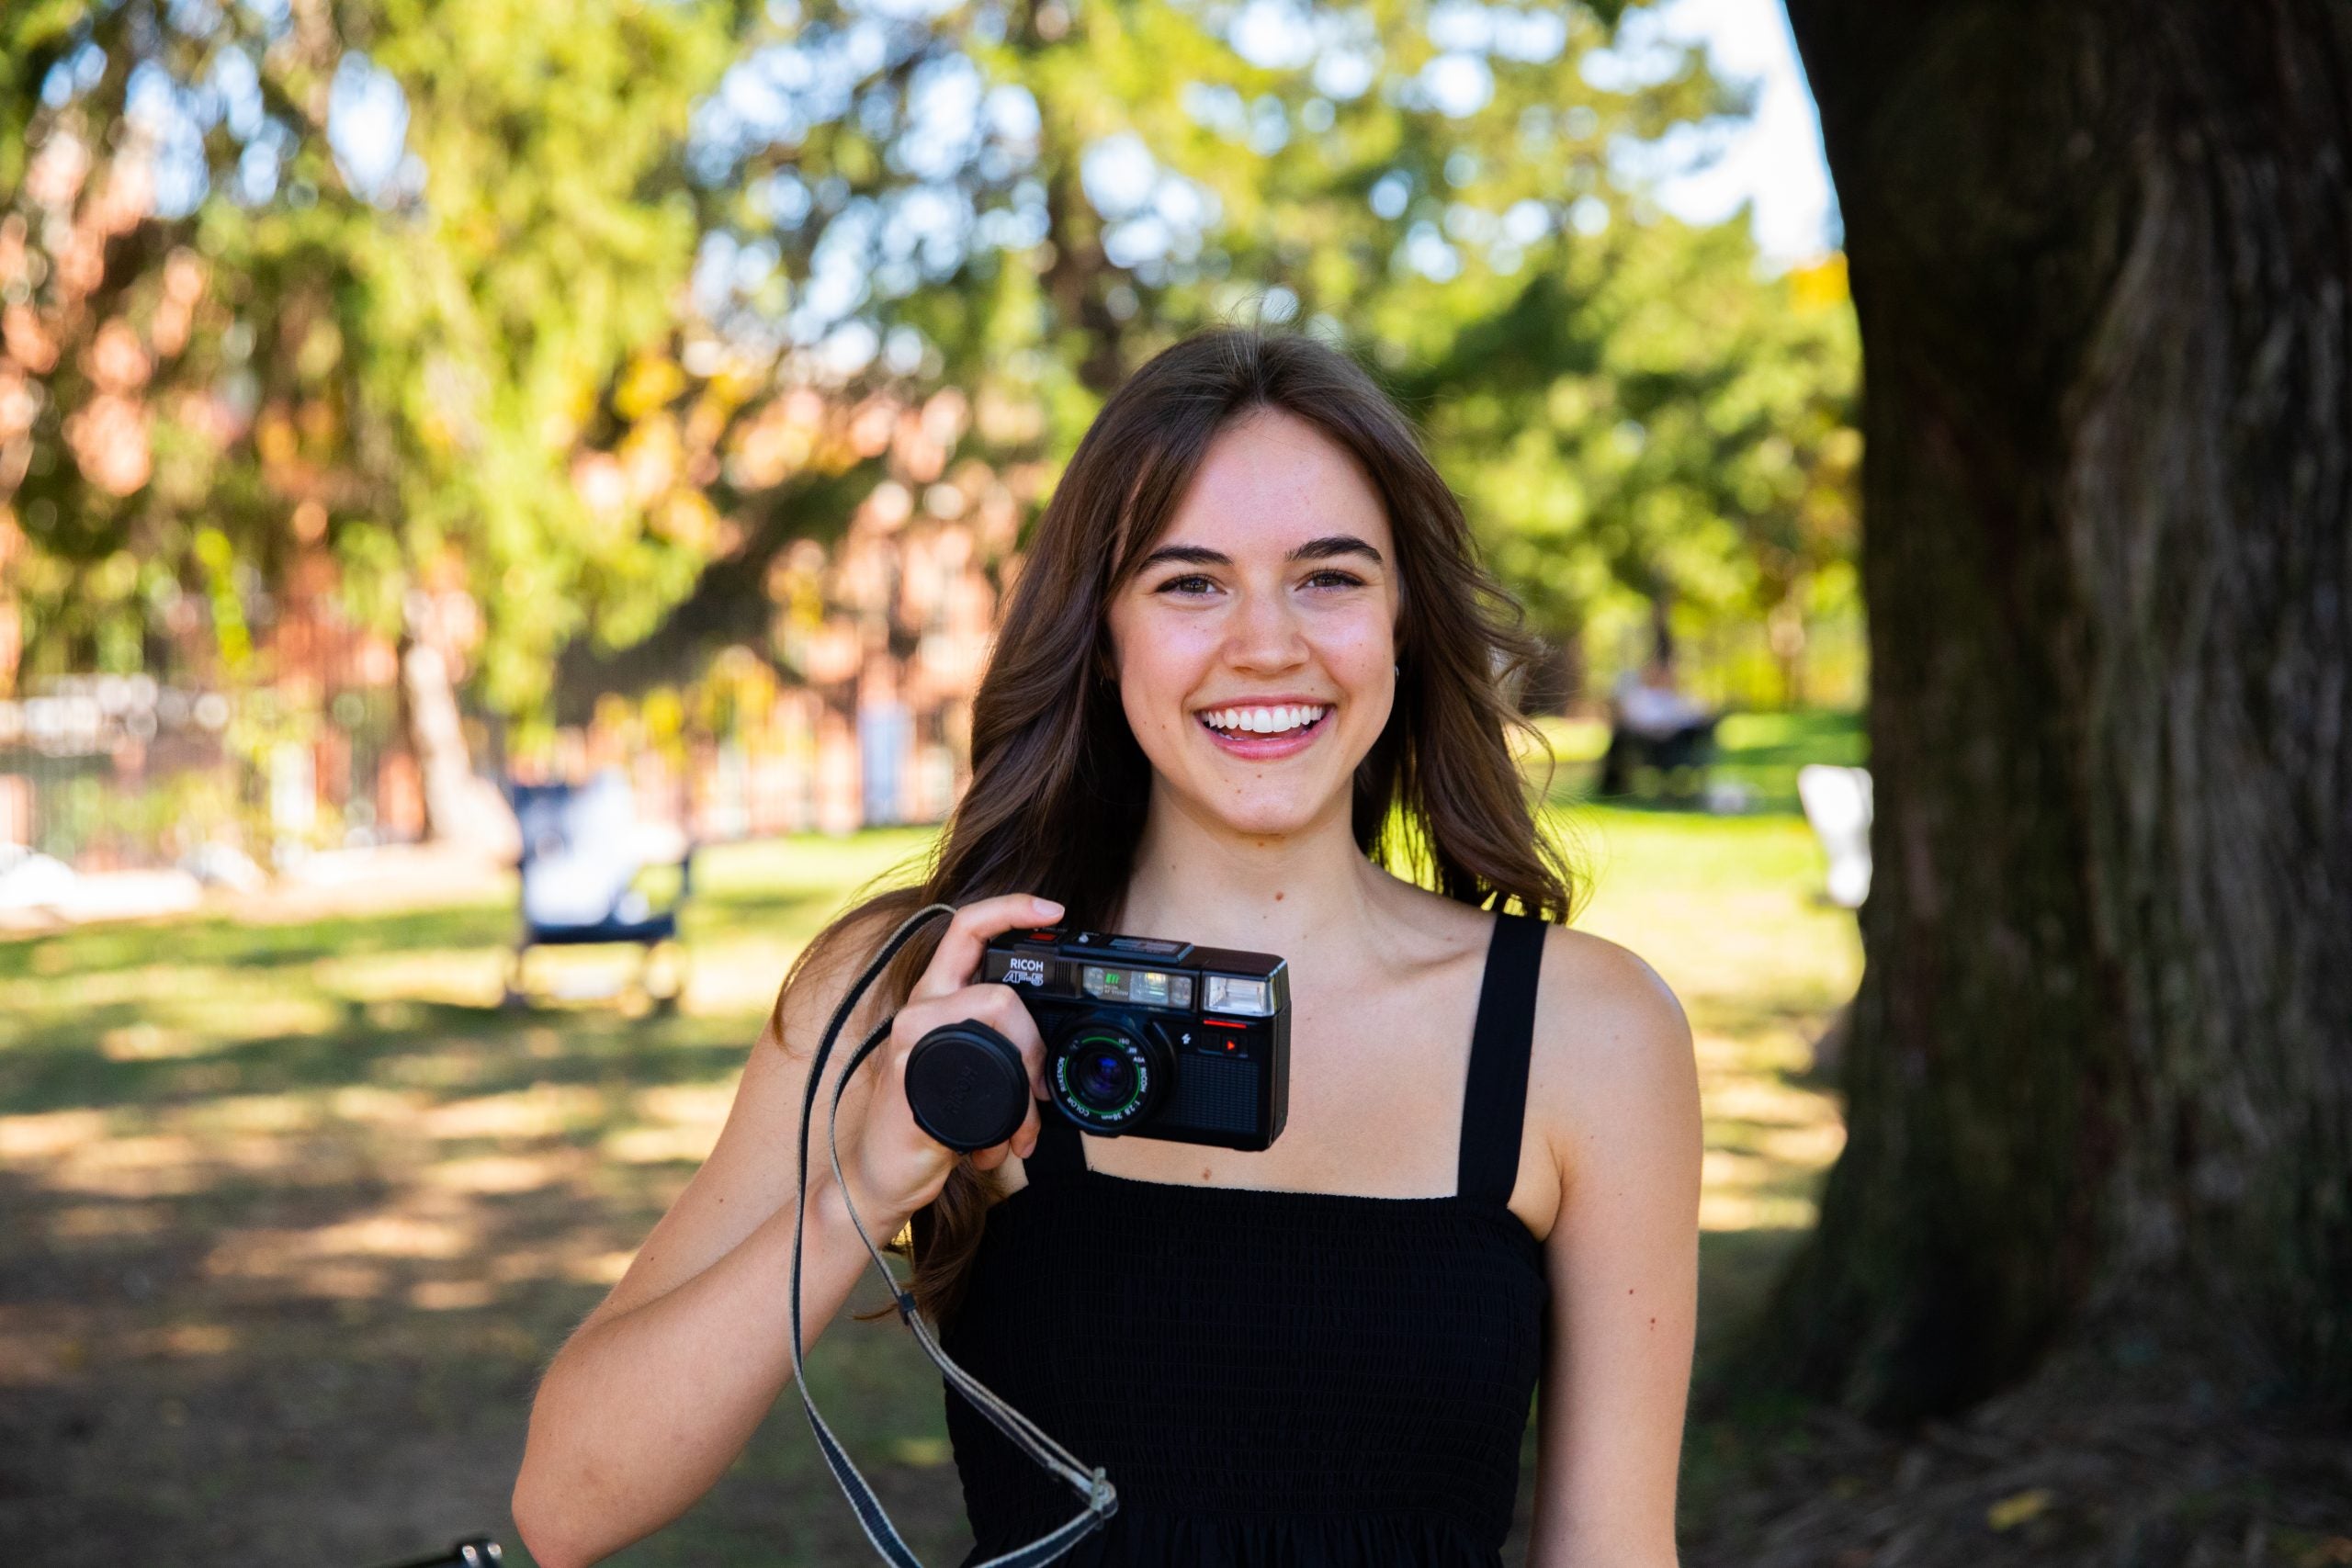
[[1264, 748]]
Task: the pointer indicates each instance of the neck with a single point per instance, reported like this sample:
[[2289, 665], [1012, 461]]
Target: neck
[[1198, 880]]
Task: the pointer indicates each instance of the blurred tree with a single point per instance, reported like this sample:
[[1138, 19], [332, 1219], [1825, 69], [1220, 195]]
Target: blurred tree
[[2100, 1068], [355, 279], [404, 301], [1027, 200]]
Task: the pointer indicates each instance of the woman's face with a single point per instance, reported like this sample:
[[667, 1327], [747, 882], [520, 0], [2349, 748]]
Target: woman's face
[[1256, 645]]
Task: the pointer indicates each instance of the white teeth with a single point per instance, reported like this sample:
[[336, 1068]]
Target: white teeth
[[1264, 720]]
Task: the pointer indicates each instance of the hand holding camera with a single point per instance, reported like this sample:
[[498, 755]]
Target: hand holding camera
[[893, 1166], [1142, 1036]]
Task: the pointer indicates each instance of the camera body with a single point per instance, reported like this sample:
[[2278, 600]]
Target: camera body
[[1155, 1038]]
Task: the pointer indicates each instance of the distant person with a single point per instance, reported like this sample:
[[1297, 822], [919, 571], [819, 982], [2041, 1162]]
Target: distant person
[[1319, 1351], [1651, 721]]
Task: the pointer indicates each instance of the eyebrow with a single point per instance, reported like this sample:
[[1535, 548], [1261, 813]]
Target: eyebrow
[[1324, 549]]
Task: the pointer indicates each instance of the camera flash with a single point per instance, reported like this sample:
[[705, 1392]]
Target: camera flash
[[1231, 993]]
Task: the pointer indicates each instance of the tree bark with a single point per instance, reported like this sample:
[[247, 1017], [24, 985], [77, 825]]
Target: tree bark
[[460, 807], [2099, 1076]]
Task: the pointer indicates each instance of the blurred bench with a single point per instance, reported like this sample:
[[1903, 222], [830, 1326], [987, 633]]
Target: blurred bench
[[582, 851]]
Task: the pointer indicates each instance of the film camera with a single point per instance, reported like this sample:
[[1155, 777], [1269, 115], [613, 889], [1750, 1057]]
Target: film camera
[[1144, 1036]]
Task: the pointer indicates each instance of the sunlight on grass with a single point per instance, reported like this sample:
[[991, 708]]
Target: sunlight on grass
[[263, 1161]]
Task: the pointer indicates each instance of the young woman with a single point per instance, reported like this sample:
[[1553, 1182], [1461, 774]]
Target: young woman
[[1250, 661]]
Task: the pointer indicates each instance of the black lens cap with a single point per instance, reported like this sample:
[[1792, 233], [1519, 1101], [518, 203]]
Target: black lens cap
[[967, 1087]]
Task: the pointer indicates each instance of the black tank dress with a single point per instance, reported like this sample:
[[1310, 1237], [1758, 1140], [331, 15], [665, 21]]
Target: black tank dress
[[1274, 1377]]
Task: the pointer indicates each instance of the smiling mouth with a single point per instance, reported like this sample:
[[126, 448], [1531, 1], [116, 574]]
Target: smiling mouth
[[1255, 730]]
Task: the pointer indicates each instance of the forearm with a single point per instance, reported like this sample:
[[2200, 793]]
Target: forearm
[[642, 1412]]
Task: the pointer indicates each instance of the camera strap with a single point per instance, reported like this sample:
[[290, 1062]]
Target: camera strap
[[1100, 1498]]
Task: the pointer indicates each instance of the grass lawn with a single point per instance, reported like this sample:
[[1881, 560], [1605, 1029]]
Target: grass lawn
[[292, 1215]]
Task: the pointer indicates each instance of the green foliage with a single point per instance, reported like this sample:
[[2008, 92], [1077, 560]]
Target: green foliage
[[1022, 201], [411, 349]]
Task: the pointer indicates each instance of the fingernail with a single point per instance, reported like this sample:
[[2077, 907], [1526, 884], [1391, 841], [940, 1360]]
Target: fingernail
[[1048, 904]]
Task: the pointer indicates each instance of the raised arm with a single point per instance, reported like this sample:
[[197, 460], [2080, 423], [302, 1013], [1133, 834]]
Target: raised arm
[[662, 1385]]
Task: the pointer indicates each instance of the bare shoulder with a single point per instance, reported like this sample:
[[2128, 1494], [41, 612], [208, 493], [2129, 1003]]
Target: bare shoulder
[[1613, 1062]]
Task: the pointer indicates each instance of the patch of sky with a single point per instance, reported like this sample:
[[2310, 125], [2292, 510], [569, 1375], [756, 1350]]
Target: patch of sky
[[158, 106], [1184, 204], [902, 10], [849, 348], [1012, 115], [902, 349], [1532, 36], [1345, 73], [877, 111], [1526, 221], [1136, 240], [193, 18], [262, 161], [1642, 54], [1390, 192], [944, 124], [1458, 84], [237, 82], [1459, 25], [1017, 227], [1471, 225], [1116, 174], [274, 15], [75, 74], [1269, 125], [1461, 167], [1348, 56], [1588, 215], [1772, 158], [1686, 150], [784, 199], [1275, 35], [713, 275], [929, 223], [775, 95], [1216, 106], [1426, 252], [1316, 115], [1277, 304], [367, 125]]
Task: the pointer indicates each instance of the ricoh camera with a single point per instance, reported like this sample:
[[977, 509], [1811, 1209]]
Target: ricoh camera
[[1143, 1037]]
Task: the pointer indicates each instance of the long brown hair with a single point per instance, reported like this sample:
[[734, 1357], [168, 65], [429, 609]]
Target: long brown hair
[[1060, 787]]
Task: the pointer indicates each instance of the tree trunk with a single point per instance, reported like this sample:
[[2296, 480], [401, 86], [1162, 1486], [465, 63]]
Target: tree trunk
[[2100, 1069], [460, 805]]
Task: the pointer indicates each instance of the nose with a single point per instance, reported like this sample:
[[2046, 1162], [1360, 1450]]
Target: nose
[[1264, 635]]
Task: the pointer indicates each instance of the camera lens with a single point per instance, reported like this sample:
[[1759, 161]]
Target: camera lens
[[1104, 1078], [1109, 1073]]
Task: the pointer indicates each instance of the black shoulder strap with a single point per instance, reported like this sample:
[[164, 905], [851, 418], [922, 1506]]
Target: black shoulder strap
[[1059, 1154], [1494, 1101]]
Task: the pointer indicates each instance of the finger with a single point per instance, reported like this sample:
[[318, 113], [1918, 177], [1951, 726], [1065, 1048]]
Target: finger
[[968, 929], [1024, 1142], [990, 1157]]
